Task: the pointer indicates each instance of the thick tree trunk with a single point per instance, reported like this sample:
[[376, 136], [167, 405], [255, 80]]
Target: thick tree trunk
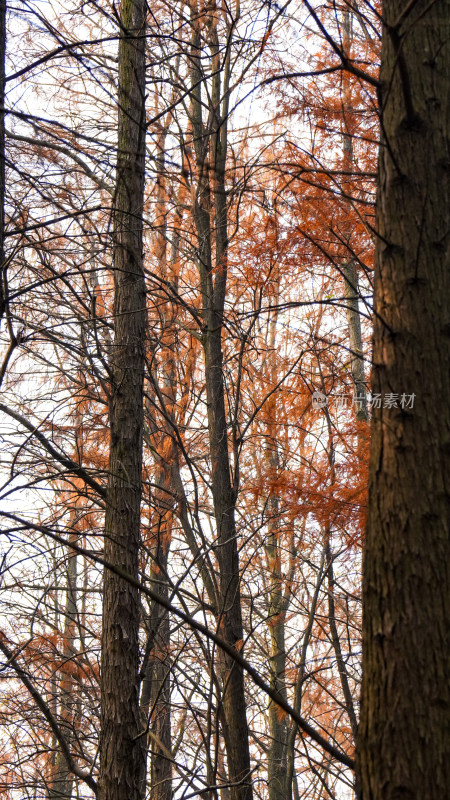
[[122, 749], [404, 733]]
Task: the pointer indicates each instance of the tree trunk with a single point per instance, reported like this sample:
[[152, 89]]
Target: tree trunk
[[349, 267], [2, 154], [277, 753], [62, 783], [404, 734], [156, 690], [122, 749], [351, 288], [210, 144]]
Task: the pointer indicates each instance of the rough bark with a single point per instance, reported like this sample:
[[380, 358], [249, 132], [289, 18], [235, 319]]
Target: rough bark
[[404, 733], [122, 749]]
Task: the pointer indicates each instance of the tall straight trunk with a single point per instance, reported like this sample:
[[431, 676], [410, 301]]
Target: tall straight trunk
[[62, 783], [2, 153], [156, 690], [211, 151], [404, 733], [122, 749], [224, 498], [351, 289], [349, 266], [278, 603]]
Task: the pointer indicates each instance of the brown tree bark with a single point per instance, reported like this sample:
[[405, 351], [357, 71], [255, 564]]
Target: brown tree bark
[[63, 779], [156, 690], [404, 733], [2, 154], [349, 266], [122, 748], [210, 206], [278, 601]]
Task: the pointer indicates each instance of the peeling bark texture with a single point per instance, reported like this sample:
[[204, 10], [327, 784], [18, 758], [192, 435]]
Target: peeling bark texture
[[122, 749], [404, 733]]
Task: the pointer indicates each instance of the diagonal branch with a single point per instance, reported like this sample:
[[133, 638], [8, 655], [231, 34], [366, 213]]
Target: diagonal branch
[[65, 461], [49, 716], [275, 696]]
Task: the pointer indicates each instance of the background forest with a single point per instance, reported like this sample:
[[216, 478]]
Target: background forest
[[187, 197]]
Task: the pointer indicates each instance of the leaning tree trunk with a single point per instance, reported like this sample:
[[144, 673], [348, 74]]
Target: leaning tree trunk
[[122, 749], [404, 735]]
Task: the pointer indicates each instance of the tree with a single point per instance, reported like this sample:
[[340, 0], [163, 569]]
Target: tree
[[245, 228], [404, 733], [122, 750]]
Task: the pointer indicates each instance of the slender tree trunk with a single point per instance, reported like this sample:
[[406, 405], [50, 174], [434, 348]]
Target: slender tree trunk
[[2, 154], [122, 749], [211, 151], [291, 790], [155, 696], [231, 628], [349, 267], [351, 288], [62, 783], [404, 733], [277, 755]]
